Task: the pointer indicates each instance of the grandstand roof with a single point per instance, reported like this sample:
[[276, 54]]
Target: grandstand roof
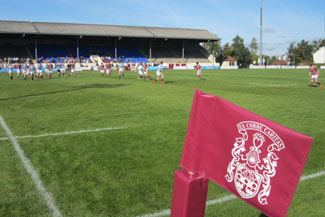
[[47, 28]]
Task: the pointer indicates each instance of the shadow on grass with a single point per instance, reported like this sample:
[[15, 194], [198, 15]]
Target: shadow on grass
[[75, 88]]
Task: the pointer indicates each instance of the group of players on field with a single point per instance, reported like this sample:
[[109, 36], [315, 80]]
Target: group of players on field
[[40, 71], [34, 71], [143, 72], [106, 68]]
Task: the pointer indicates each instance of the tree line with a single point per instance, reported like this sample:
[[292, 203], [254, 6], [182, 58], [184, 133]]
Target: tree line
[[300, 53]]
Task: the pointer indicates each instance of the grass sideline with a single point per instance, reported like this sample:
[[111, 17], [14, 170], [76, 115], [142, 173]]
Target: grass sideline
[[129, 172]]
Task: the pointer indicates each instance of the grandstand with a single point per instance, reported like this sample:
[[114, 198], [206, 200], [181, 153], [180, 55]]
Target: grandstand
[[36, 40]]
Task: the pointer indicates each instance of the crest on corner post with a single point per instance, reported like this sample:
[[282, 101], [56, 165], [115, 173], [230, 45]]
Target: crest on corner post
[[254, 160], [258, 160]]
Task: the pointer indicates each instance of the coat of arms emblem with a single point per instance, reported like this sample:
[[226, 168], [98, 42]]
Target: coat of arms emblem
[[254, 160]]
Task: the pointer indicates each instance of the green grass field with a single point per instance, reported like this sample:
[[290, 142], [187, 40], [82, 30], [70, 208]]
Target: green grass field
[[129, 171]]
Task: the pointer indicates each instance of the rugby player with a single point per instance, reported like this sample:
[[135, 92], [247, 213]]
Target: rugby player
[[159, 74], [10, 72], [146, 72], [102, 69], [120, 70], [140, 69], [314, 75], [198, 69]]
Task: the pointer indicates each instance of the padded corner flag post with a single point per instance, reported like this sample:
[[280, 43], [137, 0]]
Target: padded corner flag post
[[256, 159], [189, 194]]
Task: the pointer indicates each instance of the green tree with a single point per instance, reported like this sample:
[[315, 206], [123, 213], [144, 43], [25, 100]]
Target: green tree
[[267, 59], [225, 51], [240, 52], [253, 46], [291, 54], [254, 58], [321, 43], [318, 43], [273, 58], [303, 52], [214, 48]]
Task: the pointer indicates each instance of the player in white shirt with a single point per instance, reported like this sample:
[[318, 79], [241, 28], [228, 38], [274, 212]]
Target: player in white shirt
[[96, 67], [31, 72], [140, 71], [160, 75], [49, 70], [39, 71], [120, 70], [60, 69], [10, 72]]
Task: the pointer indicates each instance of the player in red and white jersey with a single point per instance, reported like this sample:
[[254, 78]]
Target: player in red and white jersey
[[102, 69], [49, 70], [73, 69], [198, 69], [108, 69], [314, 75], [146, 72], [18, 68]]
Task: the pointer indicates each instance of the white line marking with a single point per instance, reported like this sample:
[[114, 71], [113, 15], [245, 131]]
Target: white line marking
[[4, 138], [65, 133], [229, 197], [223, 199], [157, 214], [270, 85], [31, 171], [312, 176]]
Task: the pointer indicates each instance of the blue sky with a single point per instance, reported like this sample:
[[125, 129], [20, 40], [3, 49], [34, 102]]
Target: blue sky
[[284, 20]]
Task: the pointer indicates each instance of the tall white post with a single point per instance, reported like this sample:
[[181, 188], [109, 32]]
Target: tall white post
[[261, 32], [35, 51], [116, 49], [78, 48], [183, 51], [150, 54]]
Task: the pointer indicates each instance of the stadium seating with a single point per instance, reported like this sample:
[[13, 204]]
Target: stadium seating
[[129, 55], [53, 51], [13, 51], [172, 53], [161, 51]]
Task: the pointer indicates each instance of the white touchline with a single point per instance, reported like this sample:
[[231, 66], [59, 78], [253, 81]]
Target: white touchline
[[65, 133], [313, 175], [47, 195], [270, 85], [31, 171], [229, 197]]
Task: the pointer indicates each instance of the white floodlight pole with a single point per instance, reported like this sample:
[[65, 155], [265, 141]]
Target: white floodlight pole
[[261, 31]]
